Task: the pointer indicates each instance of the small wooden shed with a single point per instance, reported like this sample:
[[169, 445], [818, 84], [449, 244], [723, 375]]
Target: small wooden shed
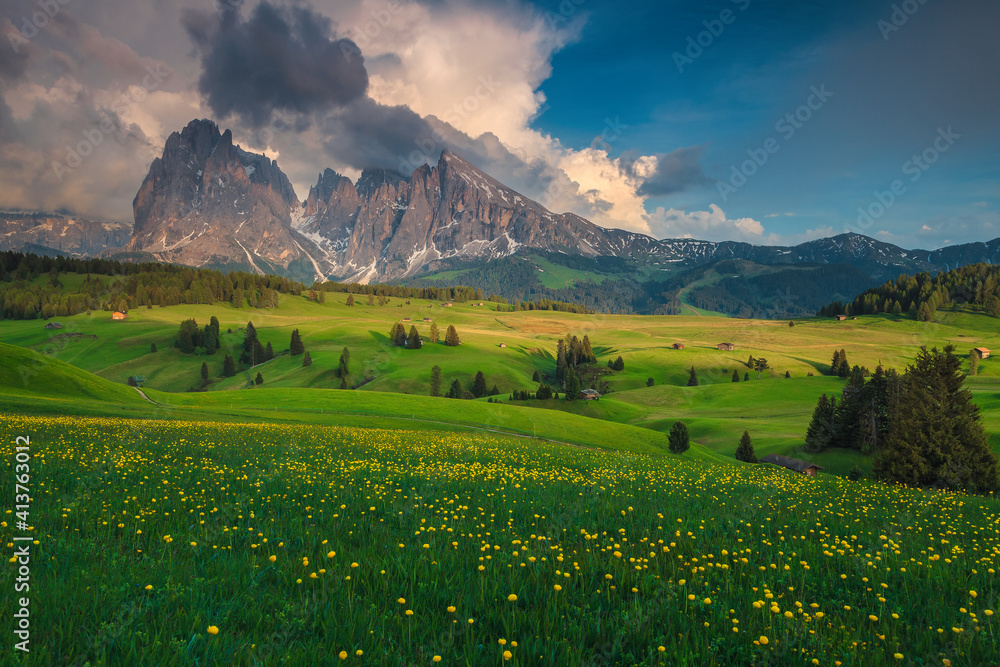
[[53, 325], [841, 318], [678, 346], [119, 315], [727, 347], [983, 352], [590, 395], [799, 466]]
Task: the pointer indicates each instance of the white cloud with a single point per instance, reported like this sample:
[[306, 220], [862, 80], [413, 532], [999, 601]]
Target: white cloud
[[710, 225]]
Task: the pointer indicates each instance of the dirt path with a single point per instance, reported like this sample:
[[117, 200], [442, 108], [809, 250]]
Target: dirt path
[[141, 393]]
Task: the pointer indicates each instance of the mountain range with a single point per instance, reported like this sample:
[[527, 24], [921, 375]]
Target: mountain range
[[207, 202]]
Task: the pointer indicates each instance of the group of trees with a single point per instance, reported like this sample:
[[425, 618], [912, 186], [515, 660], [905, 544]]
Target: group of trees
[[921, 295], [190, 338], [112, 285], [922, 426], [398, 336], [477, 389], [840, 366]]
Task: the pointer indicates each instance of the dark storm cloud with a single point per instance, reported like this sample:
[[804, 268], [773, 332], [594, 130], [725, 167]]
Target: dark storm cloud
[[676, 171], [368, 134], [279, 58]]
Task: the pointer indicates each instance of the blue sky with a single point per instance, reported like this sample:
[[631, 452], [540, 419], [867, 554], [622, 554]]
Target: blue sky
[[891, 92]]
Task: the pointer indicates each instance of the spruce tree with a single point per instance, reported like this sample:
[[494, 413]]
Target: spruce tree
[[561, 361], [650, 382], [413, 341], [746, 377], [204, 373], [479, 385], [823, 428], [973, 363], [456, 390], [259, 380], [679, 440], [736, 375], [371, 299], [572, 384], [268, 352], [937, 439], [344, 365], [835, 364], [744, 452], [537, 377], [296, 347], [693, 378], [435, 333], [228, 367], [152, 347], [249, 340], [307, 360], [451, 337], [436, 381], [397, 335], [350, 300], [343, 382], [844, 369]]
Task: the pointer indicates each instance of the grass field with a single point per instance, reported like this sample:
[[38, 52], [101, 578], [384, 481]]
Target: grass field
[[773, 409], [186, 542]]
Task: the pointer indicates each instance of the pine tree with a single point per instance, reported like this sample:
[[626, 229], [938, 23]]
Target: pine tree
[[744, 452], [973, 363], [343, 382], [397, 335], [451, 337], [679, 440], [413, 341], [650, 382], [296, 347], [835, 364], [823, 428], [693, 379], [259, 380], [788, 374], [746, 377], [344, 365], [228, 367], [937, 437], [249, 341], [152, 347], [561, 361], [587, 352], [268, 352], [214, 323], [350, 299], [619, 364], [307, 360], [204, 373], [572, 384], [479, 385], [736, 375], [456, 390], [435, 333], [843, 368], [544, 392], [371, 299], [436, 381], [537, 377]]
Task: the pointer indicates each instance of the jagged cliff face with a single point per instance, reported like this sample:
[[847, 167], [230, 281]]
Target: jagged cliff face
[[206, 202], [385, 226], [69, 235]]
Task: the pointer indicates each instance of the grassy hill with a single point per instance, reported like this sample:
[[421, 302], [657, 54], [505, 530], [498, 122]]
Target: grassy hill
[[773, 409]]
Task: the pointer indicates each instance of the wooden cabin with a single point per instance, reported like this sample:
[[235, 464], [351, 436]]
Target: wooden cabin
[[590, 395], [727, 347], [841, 318], [983, 352], [799, 466], [678, 346], [53, 325], [119, 315]]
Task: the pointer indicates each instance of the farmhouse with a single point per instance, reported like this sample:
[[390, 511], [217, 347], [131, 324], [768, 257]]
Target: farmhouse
[[841, 318], [53, 325], [983, 352], [678, 346], [804, 467], [727, 347], [590, 395], [119, 315]]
